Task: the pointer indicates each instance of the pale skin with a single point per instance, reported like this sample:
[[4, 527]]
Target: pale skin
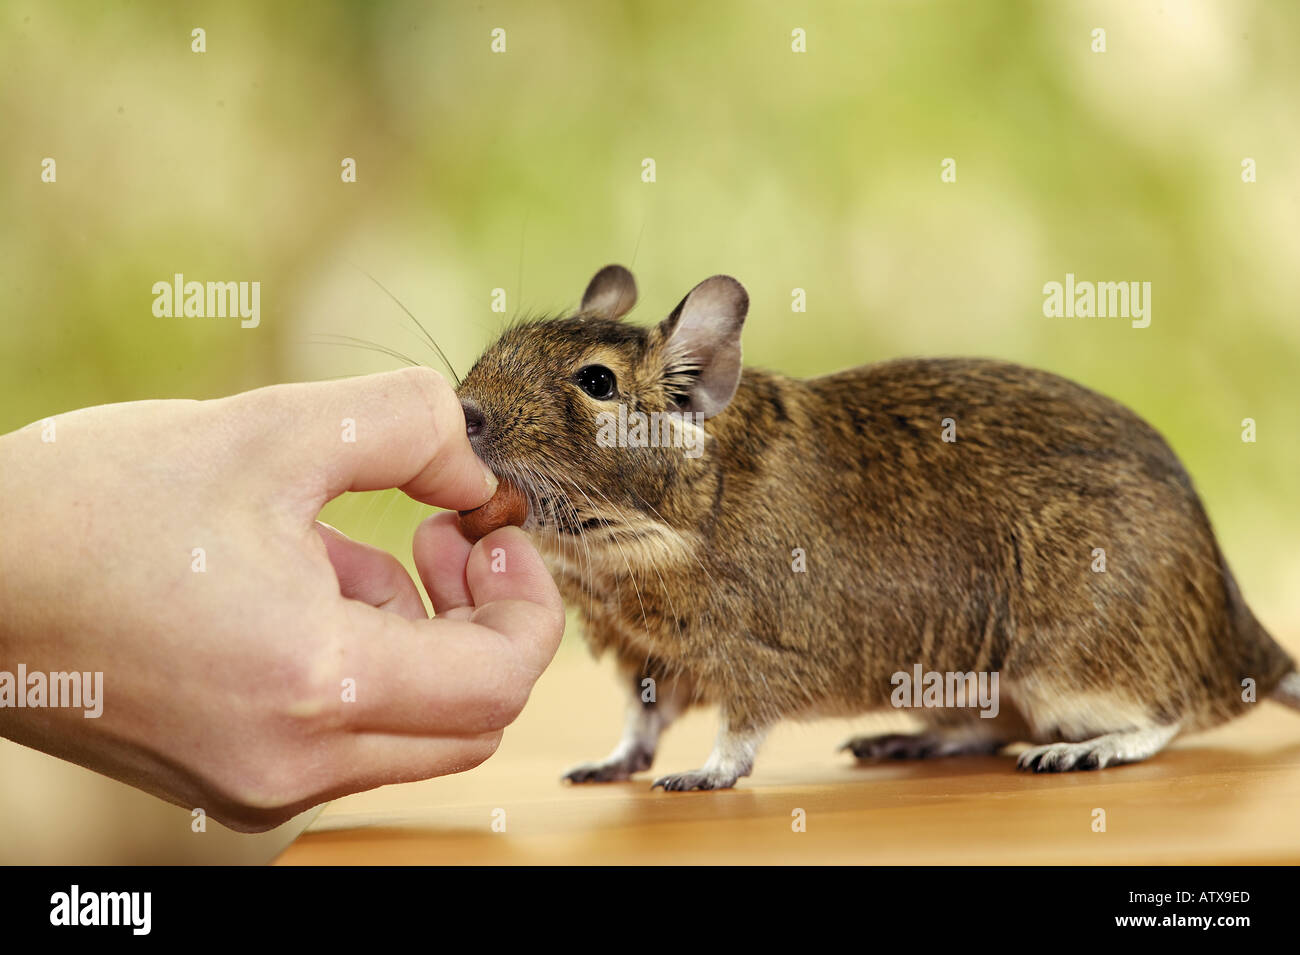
[[224, 688]]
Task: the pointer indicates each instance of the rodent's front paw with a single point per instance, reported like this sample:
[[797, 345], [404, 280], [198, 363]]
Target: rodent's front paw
[[696, 779], [610, 770]]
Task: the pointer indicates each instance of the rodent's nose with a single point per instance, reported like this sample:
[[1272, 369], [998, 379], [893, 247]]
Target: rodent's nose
[[474, 422]]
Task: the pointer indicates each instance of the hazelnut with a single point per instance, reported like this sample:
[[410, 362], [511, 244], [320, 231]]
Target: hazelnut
[[507, 506]]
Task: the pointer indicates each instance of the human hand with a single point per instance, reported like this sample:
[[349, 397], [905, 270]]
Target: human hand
[[173, 546]]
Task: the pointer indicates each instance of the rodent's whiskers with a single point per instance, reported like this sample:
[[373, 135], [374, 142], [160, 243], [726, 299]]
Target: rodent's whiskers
[[533, 482], [587, 572], [536, 482], [349, 341], [437, 349]]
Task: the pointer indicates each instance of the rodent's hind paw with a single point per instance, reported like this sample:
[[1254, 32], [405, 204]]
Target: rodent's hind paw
[[1109, 749], [696, 779], [918, 746], [596, 773], [891, 746], [611, 770], [1063, 758]]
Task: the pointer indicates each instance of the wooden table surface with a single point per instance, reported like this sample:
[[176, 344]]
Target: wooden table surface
[[1228, 796]]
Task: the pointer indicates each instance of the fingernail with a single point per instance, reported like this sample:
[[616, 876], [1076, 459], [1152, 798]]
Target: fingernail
[[489, 478]]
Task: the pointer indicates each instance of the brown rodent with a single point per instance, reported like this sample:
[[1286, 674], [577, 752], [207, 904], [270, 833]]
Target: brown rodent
[[951, 515]]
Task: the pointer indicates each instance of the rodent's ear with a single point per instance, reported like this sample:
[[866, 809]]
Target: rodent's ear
[[702, 340], [611, 293]]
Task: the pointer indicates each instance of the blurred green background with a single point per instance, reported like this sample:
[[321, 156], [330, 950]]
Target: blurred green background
[[522, 170]]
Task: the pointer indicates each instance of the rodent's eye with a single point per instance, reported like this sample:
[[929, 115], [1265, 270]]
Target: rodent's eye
[[597, 381]]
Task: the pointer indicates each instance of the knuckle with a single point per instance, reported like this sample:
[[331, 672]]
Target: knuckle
[[267, 787], [310, 689]]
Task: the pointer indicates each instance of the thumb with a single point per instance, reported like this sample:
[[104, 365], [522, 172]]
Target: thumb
[[401, 429]]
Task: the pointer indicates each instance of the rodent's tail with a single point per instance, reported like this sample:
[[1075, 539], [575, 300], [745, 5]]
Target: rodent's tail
[[1288, 690], [1258, 654]]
